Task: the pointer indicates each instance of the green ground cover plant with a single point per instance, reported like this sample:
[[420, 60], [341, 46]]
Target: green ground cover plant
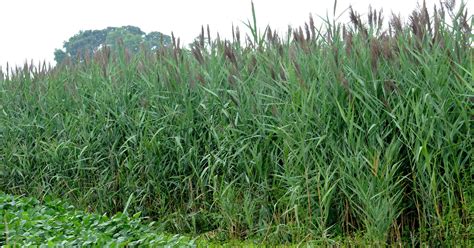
[[351, 131], [27, 222]]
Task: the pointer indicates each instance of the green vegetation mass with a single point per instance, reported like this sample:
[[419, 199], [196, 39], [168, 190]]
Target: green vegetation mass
[[348, 132], [84, 44], [26, 222]]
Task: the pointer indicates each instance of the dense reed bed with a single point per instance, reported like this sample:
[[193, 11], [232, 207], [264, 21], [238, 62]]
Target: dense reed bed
[[357, 131]]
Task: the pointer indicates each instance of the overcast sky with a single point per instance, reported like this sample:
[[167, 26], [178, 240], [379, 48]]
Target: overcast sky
[[32, 29]]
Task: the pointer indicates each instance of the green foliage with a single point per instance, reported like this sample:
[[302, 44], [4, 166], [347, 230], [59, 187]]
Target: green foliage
[[59, 56], [130, 40], [155, 40], [86, 43], [348, 134], [53, 223]]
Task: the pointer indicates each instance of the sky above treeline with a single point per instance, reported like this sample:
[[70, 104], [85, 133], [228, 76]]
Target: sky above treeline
[[32, 29]]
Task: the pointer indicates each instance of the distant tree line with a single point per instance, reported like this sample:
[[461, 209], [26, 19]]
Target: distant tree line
[[86, 43]]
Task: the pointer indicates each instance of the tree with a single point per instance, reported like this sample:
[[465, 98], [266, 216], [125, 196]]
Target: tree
[[59, 55], [132, 39], [155, 39], [86, 43]]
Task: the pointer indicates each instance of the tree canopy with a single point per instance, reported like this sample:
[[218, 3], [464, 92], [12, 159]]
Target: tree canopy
[[85, 43]]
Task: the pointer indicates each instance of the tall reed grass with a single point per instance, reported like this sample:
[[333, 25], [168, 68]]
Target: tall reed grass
[[350, 131]]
